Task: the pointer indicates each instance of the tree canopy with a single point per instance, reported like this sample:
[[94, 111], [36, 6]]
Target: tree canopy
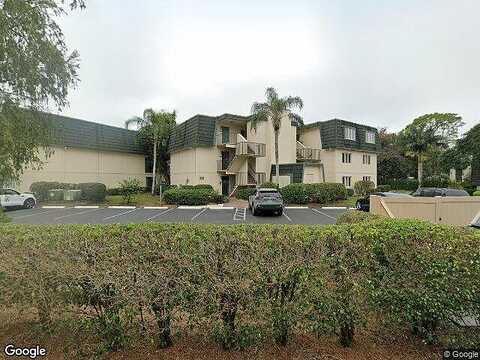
[[36, 72]]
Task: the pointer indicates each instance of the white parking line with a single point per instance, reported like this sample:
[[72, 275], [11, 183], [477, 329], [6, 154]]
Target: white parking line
[[198, 214], [155, 207], [296, 207], [285, 214], [322, 213], [160, 214], [80, 213], [38, 213], [240, 214], [53, 207], [335, 207], [86, 207], [117, 215], [122, 207]]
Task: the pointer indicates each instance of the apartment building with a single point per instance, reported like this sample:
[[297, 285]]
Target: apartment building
[[85, 151], [225, 152]]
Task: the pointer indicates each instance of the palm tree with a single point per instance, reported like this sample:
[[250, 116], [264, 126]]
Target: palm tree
[[155, 127], [427, 133], [273, 110]]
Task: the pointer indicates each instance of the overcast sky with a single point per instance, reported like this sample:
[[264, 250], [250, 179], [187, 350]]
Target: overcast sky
[[380, 63]]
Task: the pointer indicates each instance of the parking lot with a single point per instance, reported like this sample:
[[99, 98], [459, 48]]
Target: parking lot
[[125, 215]]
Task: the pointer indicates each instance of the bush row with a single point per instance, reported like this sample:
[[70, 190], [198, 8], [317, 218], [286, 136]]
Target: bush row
[[245, 283], [317, 193], [403, 184], [198, 195], [89, 191]]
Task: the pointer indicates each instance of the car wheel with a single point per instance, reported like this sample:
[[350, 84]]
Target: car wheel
[[254, 212], [358, 205], [280, 212], [29, 204]]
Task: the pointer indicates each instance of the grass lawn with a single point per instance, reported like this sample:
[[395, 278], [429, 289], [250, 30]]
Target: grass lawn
[[142, 199]]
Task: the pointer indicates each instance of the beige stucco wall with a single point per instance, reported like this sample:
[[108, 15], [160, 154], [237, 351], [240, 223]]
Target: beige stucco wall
[[287, 143], [312, 174], [75, 165], [195, 166], [356, 169], [311, 138]]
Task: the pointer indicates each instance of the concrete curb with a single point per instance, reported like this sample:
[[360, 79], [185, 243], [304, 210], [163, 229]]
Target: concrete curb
[[53, 207], [296, 207], [121, 207], [334, 207], [154, 207], [86, 207]]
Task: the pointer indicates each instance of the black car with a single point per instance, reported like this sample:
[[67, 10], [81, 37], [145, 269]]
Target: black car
[[363, 204], [432, 192]]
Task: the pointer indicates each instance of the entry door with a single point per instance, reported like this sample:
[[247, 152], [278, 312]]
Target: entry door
[[225, 185], [225, 135]]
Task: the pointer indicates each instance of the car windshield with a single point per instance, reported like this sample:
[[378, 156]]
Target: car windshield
[[391, 194]]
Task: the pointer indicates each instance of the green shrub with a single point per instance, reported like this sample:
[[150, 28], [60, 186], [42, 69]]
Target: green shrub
[[403, 184], [355, 216], [92, 191], [244, 192], [455, 185], [469, 187], [294, 194], [3, 218], [244, 283], [192, 196], [363, 188], [41, 188], [113, 191], [269, 185], [384, 188], [129, 188], [440, 181], [203, 186], [476, 193]]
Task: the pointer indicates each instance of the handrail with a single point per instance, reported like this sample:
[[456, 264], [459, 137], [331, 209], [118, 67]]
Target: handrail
[[250, 148], [308, 154]]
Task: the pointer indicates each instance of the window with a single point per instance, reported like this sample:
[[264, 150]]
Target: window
[[346, 158], [366, 159], [347, 181], [202, 178], [370, 137], [367, 178], [350, 133], [225, 135]]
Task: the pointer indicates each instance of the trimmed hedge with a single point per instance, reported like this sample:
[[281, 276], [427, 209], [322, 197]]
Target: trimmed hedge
[[192, 196], [354, 216], [363, 188], [440, 181], [269, 185], [384, 188], [403, 184], [90, 191], [318, 193], [244, 192], [245, 283], [476, 193]]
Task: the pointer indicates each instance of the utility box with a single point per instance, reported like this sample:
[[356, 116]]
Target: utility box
[[55, 195], [72, 195]]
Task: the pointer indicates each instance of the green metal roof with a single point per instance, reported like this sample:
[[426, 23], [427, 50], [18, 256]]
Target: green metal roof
[[332, 135], [199, 131], [84, 134]]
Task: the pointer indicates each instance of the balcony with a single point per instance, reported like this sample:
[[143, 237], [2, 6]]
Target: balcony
[[223, 141], [308, 154], [248, 148]]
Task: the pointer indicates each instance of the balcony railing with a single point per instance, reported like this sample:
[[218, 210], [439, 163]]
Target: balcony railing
[[221, 140], [244, 178], [308, 154], [250, 149]]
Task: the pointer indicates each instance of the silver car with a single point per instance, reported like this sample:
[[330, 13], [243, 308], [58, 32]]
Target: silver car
[[10, 198], [266, 200]]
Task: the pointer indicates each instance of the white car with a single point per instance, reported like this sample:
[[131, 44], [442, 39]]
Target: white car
[[12, 198]]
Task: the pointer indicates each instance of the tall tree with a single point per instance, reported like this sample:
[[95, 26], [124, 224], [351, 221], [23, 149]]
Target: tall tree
[[273, 110], [36, 72], [155, 129], [429, 132], [392, 162], [469, 144]]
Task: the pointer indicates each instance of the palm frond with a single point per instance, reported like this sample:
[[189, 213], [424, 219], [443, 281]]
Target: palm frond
[[293, 102], [271, 94]]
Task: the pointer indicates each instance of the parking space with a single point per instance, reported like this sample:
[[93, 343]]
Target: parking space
[[321, 216]]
